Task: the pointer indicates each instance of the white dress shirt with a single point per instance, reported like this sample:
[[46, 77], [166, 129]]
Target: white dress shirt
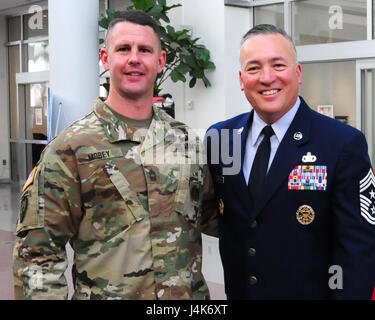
[[254, 137]]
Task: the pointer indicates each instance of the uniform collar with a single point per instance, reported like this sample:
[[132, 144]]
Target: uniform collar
[[279, 127], [117, 130]]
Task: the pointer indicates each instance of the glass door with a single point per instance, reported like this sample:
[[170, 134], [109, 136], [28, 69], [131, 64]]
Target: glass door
[[365, 77], [31, 122]]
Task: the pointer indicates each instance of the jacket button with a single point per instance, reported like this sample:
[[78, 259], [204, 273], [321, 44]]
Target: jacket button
[[253, 280], [254, 224], [252, 252]]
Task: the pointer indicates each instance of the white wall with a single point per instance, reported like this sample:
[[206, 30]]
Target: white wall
[[74, 68], [4, 103], [237, 22], [220, 29]]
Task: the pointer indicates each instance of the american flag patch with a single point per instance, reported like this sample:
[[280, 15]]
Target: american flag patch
[[304, 177]]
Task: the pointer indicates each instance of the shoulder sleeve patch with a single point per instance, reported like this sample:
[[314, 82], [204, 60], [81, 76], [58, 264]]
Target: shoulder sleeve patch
[[367, 197], [30, 179]]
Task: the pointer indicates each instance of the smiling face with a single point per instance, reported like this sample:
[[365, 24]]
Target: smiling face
[[134, 58], [269, 75]]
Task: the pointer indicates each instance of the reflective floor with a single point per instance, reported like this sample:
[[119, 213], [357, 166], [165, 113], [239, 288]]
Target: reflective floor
[[9, 205]]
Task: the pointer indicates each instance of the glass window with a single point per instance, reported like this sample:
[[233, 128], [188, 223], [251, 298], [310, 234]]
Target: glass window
[[35, 25], [36, 57], [36, 110], [101, 7], [14, 29], [331, 84], [273, 14], [120, 5], [326, 21]]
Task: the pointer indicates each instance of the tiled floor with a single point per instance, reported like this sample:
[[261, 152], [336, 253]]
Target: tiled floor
[[9, 205]]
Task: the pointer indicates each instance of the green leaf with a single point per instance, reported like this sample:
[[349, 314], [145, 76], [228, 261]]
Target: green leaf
[[175, 45], [183, 68], [163, 3], [106, 86], [164, 17], [143, 4], [192, 82], [210, 65], [171, 31], [189, 59], [104, 23], [182, 37], [206, 82], [155, 11], [177, 76], [172, 7], [185, 51]]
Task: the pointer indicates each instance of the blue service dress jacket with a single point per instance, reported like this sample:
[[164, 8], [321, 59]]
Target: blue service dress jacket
[[311, 234]]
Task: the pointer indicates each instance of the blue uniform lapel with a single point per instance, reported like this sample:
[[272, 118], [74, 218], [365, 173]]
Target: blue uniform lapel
[[244, 126], [287, 156]]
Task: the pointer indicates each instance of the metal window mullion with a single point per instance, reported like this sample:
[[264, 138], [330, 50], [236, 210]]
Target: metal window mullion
[[251, 17], [265, 2], [369, 19]]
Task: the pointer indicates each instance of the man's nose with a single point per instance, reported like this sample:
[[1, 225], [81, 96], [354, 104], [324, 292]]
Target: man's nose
[[133, 58], [267, 75]]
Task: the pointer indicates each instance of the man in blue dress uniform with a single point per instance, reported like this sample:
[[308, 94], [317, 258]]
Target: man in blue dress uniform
[[297, 218]]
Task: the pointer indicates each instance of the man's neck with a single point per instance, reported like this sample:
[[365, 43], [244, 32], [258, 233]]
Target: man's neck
[[139, 108]]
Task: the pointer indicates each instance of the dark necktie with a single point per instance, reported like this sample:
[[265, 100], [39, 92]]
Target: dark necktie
[[260, 164]]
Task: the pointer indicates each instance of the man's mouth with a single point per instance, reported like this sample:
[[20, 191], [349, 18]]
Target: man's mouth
[[269, 92], [134, 74]]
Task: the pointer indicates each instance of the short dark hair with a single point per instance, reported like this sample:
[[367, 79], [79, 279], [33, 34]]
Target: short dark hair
[[267, 29], [136, 17]]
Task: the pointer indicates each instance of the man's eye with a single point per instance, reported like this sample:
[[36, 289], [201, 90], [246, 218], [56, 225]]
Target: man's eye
[[123, 49], [252, 69], [279, 66], [145, 50]]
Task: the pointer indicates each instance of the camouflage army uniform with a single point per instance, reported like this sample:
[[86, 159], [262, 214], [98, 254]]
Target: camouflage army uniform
[[134, 225]]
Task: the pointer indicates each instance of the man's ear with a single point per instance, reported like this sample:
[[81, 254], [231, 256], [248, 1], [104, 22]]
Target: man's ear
[[162, 60], [241, 82], [299, 73], [104, 58]]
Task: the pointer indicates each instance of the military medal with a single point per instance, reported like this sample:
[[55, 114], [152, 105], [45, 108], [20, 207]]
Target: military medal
[[308, 177], [305, 214], [221, 206]]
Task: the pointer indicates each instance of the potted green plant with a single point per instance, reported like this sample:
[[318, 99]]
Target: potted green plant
[[185, 56]]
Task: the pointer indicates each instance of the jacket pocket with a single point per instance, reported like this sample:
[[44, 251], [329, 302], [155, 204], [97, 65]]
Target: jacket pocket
[[114, 208], [189, 192]]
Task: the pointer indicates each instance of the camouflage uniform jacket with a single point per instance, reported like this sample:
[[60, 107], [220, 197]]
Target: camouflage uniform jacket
[[133, 222]]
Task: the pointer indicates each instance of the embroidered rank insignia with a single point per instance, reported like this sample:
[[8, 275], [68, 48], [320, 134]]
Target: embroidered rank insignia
[[30, 179], [305, 214], [221, 206], [304, 177], [367, 197]]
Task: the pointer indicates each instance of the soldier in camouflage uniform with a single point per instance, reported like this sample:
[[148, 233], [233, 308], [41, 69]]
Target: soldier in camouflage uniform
[[132, 203]]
